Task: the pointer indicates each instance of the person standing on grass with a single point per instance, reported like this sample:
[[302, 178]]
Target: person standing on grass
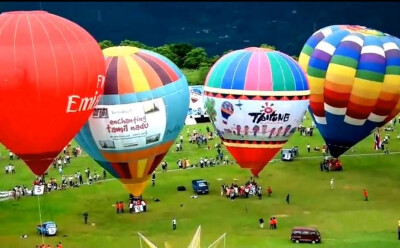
[[332, 184], [85, 216], [271, 223], [308, 148], [398, 229], [274, 222], [269, 191], [174, 224], [153, 179], [288, 198], [261, 221], [365, 195]]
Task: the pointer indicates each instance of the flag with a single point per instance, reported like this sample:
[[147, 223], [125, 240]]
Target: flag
[[196, 239], [377, 139], [38, 190], [148, 242]]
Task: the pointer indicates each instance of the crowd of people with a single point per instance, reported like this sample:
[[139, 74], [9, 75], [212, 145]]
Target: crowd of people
[[136, 205], [249, 188], [10, 169], [67, 181]]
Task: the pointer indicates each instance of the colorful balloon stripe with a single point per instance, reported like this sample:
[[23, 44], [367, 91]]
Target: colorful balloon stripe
[[354, 78], [257, 69], [136, 70]]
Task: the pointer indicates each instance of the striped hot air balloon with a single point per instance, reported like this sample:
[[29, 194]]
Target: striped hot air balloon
[[142, 111], [354, 76], [265, 93]]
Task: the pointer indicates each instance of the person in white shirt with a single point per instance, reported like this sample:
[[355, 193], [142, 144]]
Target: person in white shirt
[[131, 207], [332, 184], [144, 206], [174, 224]]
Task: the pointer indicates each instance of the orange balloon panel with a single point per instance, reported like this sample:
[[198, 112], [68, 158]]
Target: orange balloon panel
[[253, 158], [52, 76]]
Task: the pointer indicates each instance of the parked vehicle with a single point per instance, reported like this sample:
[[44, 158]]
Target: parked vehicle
[[289, 154], [306, 235], [200, 186], [47, 228]]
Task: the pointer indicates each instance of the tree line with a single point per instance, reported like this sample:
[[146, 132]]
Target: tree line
[[187, 57]]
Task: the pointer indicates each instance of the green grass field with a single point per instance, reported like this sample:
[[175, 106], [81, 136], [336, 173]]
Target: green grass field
[[343, 218]]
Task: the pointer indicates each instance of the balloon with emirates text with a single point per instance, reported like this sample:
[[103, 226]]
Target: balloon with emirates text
[[354, 76], [52, 76], [142, 111], [256, 98]]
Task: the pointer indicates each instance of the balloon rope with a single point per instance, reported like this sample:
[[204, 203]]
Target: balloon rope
[[40, 218]]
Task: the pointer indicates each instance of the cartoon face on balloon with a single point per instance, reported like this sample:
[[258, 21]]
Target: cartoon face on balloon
[[195, 95], [226, 111]]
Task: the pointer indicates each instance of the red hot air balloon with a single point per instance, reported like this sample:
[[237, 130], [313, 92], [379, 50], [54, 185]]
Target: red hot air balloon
[[52, 76]]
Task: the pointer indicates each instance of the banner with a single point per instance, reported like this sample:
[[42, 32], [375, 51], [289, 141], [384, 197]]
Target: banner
[[128, 126], [196, 104], [197, 112], [257, 120], [138, 208], [38, 190]]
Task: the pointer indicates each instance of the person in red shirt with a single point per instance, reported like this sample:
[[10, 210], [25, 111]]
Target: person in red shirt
[[365, 195], [271, 223], [117, 207], [274, 221], [59, 245], [269, 191], [121, 207]]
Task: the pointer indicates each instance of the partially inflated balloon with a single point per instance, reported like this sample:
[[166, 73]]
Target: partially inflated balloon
[[142, 111], [254, 97], [51, 78], [354, 76]]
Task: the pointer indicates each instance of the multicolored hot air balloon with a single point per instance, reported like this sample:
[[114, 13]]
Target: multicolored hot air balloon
[[142, 111], [52, 76], [260, 89], [354, 76]]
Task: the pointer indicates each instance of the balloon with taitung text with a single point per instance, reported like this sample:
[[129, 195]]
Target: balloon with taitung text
[[354, 76], [142, 111], [256, 98], [52, 76]]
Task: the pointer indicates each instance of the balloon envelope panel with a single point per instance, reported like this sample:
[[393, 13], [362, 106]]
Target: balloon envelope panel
[[354, 76], [256, 98], [141, 113], [52, 73]]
